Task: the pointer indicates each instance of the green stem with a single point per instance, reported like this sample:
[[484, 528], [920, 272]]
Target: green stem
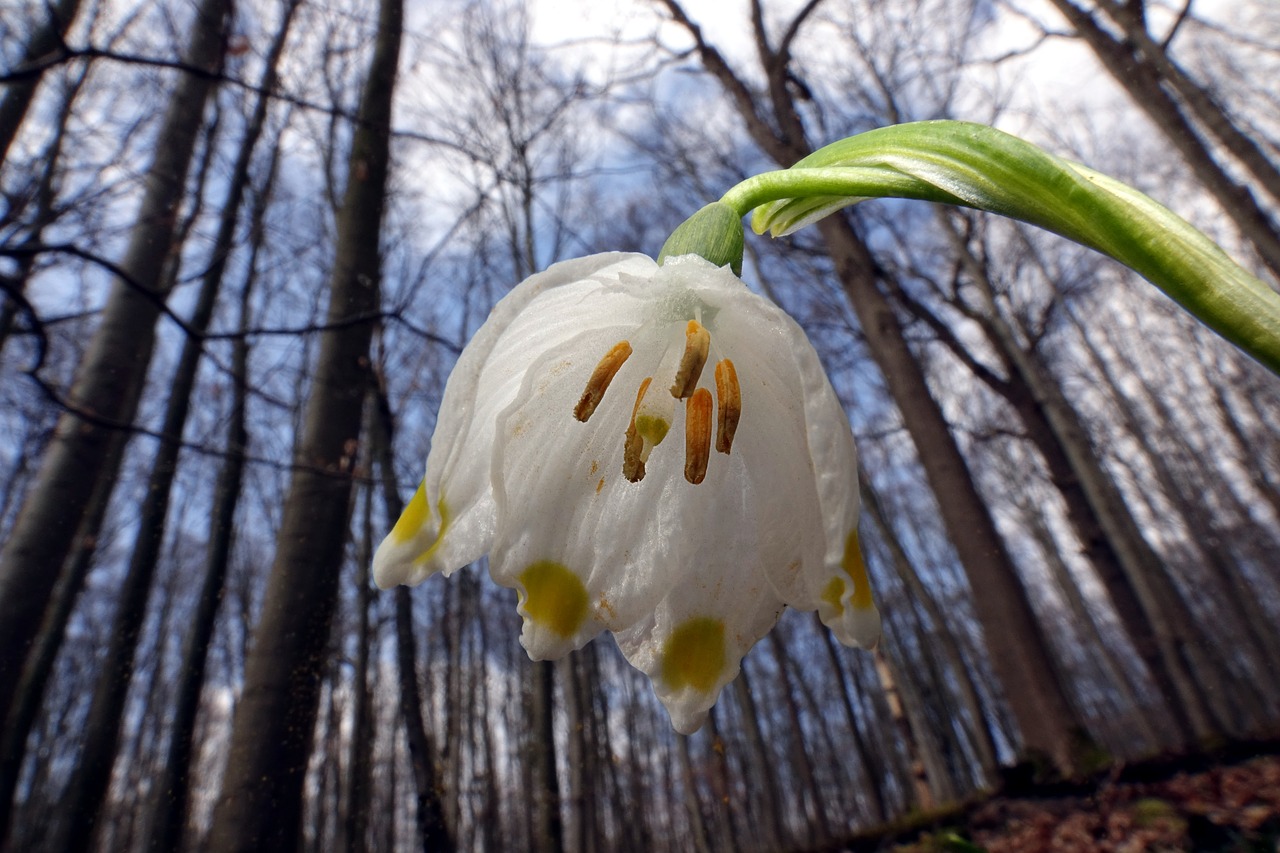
[[979, 167], [849, 183]]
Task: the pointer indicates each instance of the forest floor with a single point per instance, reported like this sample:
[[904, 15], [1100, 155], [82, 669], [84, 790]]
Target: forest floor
[[1227, 801]]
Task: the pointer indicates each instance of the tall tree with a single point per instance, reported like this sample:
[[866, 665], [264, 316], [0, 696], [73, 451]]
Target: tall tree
[[102, 727], [1185, 113], [1128, 567], [104, 397], [429, 813], [260, 804], [42, 48]]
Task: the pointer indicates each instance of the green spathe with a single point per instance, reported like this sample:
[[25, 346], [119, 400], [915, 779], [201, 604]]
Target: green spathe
[[715, 233]]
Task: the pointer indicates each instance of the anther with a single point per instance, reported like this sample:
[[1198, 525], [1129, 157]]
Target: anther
[[729, 398], [632, 464], [697, 343], [697, 435], [600, 379]]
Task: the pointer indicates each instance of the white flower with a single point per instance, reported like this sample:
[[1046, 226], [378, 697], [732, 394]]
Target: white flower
[[651, 450]]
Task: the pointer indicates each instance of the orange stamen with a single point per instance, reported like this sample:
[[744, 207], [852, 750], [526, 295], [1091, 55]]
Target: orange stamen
[[600, 379], [632, 464], [729, 397], [697, 435], [697, 343]]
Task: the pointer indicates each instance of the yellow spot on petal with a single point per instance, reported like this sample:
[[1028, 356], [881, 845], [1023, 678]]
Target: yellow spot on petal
[[446, 517], [693, 655], [833, 592], [553, 596], [415, 514], [856, 568]]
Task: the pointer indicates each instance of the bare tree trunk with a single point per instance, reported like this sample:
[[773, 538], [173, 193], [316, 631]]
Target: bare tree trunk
[[45, 212], [692, 800], [1199, 102], [978, 726], [1253, 457], [1130, 570], [359, 779], [548, 824], [721, 787], [922, 792], [43, 45], [260, 805], [812, 803], [1217, 564], [872, 768], [773, 831], [30, 690], [1083, 617], [1132, 66], [88, 787], [1210, 540], [434, 834], [104, 397], [172, 802], [577, 748]]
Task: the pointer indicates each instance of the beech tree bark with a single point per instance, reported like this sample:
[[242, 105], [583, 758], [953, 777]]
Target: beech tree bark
[[433, 831], [104, 397], [260, 805], [1160, 88], [1128, 567], [88, 787], [43, 45]]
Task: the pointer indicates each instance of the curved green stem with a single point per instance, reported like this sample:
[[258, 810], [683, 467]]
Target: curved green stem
[[983, 168]]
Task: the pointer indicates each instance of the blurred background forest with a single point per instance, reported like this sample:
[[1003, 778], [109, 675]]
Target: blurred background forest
[[241, 245]]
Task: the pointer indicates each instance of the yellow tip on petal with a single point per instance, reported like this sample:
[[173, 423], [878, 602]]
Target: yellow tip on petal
[[554, 597], [851, 613], [856, 568], [833, 592], [416, 513], [694, 654], [405, 554]]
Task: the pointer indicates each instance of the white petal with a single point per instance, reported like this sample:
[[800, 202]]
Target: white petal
[[458, 526], [693, 643], [839, 588]]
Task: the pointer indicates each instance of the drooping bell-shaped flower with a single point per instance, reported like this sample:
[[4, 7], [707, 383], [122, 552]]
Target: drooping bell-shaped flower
[[651, 450]]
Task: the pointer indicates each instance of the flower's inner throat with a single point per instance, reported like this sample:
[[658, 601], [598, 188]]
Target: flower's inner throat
[[654, 408]]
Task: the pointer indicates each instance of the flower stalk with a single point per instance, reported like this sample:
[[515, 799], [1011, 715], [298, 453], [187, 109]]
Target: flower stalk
[[976, 166]]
